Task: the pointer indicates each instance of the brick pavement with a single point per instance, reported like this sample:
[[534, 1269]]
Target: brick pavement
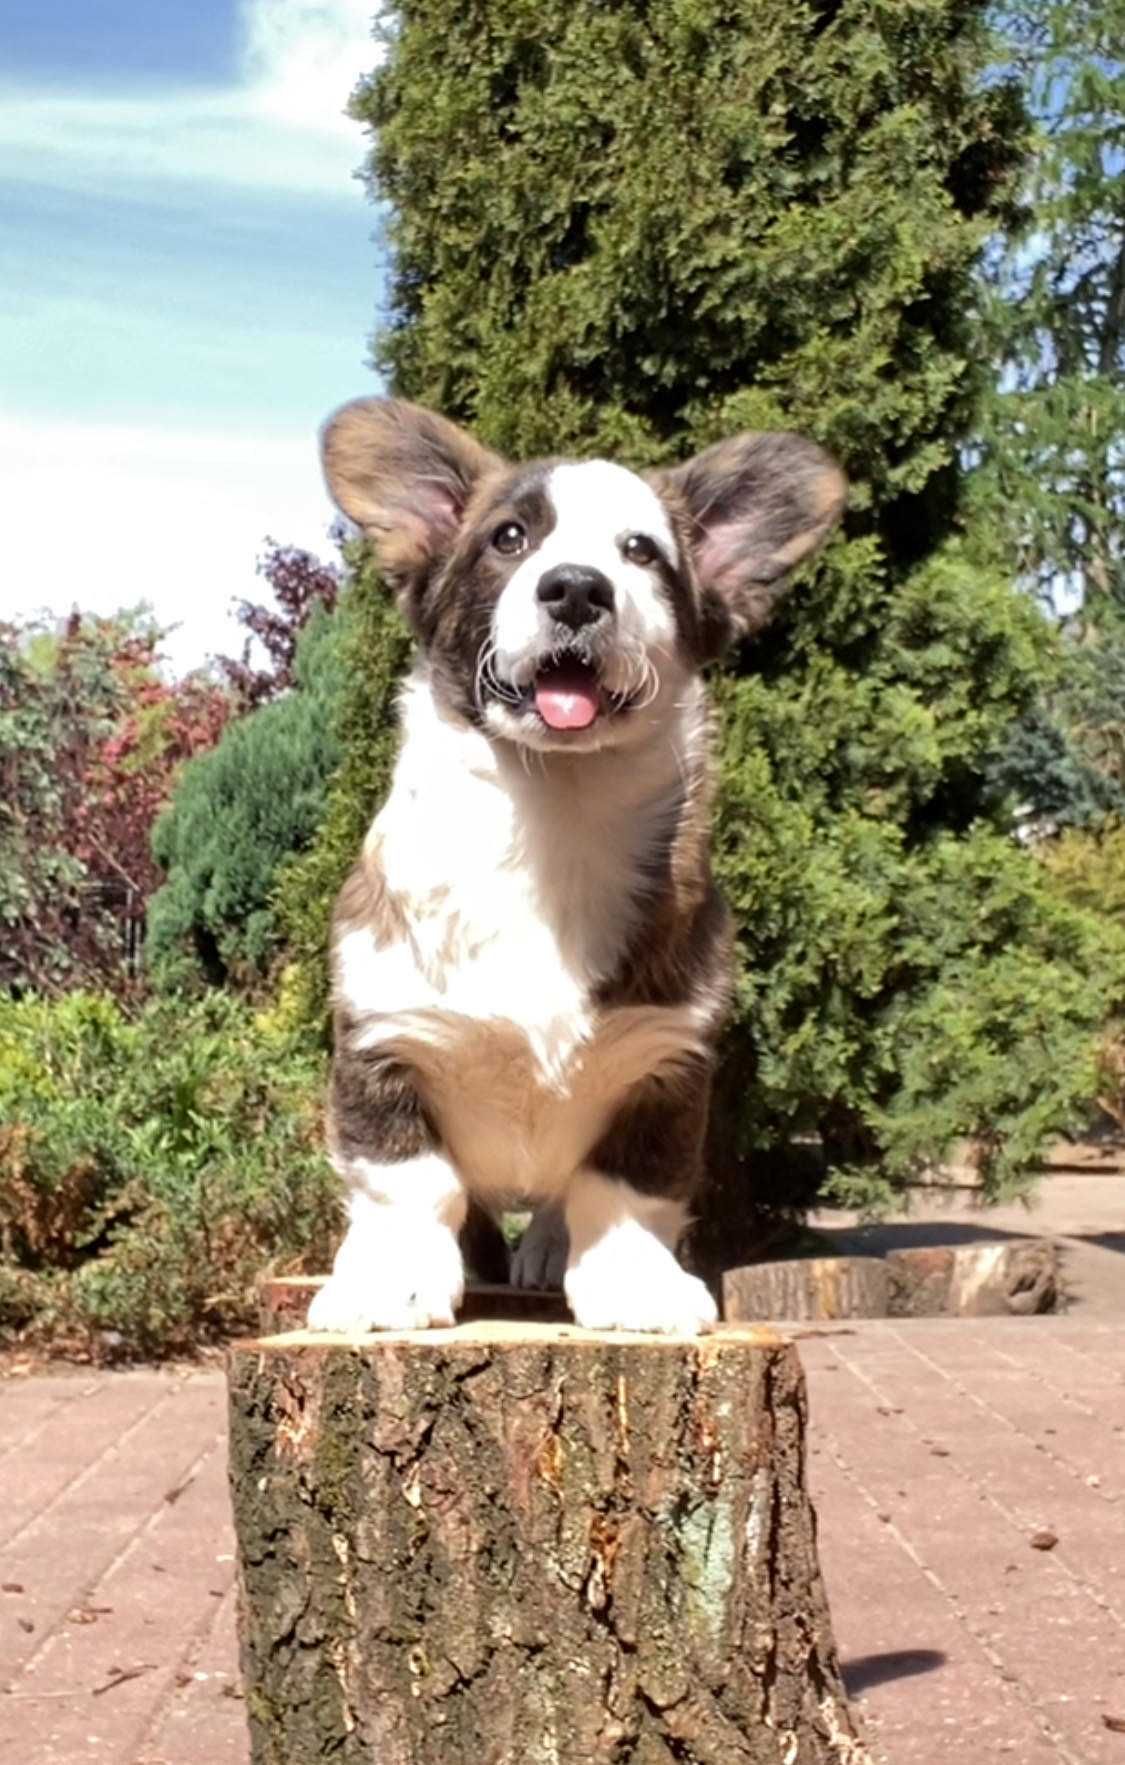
[[937, 1449]]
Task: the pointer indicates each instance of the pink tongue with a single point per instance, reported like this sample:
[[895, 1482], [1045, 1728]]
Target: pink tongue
[[566, 696]]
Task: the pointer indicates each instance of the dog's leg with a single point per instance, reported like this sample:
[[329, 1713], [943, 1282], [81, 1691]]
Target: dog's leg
[[622, 1273], [399, 1267], [539, 1259], [626, 1210]]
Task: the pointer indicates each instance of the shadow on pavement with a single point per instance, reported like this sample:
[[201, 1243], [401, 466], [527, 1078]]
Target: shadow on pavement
[[906, 1234], [870, 1670]]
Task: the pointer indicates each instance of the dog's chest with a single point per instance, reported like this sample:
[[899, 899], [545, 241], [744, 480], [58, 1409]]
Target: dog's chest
[[512, 912]]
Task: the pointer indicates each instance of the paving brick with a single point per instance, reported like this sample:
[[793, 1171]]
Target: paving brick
[[69, 1441], [25, 1404], [156, 1600], [990, 1423], [72, 1540], [965, 1646], [924, 1685], [1081, 1375], [1043, 1616], [201, 1721]]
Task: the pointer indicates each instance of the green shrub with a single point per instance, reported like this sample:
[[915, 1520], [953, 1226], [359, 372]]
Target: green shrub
[[151, 1168], [238, 813]]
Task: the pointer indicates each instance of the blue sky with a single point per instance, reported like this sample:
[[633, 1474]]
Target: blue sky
[[187, 285]]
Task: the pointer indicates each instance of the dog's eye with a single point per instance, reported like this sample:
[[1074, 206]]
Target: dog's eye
[[639, 549], [510, 539]]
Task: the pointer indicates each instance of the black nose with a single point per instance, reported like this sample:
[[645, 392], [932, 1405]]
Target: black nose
[[575, 595]]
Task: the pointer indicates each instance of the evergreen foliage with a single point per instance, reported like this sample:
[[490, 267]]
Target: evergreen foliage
[[634, 230], [373, 649], [1050, 483], [238, 814]]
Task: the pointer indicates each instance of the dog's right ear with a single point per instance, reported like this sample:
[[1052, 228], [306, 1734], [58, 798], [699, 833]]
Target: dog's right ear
[[404, 476]]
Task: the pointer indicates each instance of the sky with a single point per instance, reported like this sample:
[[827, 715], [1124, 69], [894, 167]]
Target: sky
[[188, 282]]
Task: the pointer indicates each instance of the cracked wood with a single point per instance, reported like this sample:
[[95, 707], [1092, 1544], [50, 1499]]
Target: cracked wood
[[530, 1543]]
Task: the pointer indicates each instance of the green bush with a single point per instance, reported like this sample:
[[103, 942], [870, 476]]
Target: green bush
[[373, 649], [637, 229], [238, 813], [151, 1168]]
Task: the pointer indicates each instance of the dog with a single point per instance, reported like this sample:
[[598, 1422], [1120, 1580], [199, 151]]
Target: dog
[[531, 961]]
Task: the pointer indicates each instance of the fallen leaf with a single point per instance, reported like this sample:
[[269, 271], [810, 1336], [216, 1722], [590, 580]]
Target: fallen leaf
[[11, 1586], [173, 1495], [1115, 1724], [1044, 1539], [25, 1624]]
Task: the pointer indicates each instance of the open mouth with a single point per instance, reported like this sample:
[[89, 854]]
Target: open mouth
[[567, 693]]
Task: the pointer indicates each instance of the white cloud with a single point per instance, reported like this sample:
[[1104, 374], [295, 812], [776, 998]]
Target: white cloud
[[281, 126], [102, 517], [301, 58]]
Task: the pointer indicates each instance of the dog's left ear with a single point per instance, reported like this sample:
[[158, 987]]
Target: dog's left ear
[[755, 507]]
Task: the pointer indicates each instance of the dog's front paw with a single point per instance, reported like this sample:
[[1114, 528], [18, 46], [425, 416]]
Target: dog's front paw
[[420, 1292], [662, 1299]]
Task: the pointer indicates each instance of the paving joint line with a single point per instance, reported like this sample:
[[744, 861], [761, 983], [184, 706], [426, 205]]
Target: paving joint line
[[961, 1616], [190, 1653], [1090, 1589], [89, 1589], [1040, 1378], [26, 1438], [86, 1471], [1112, 1500]]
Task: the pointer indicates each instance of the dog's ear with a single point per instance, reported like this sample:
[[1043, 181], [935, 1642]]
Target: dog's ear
[[754, 507], [404, 476]]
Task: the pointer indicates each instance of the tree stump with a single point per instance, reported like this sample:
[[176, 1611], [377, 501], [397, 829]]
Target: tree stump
[[503, 1543], [1018, 1276], [816, 1288]]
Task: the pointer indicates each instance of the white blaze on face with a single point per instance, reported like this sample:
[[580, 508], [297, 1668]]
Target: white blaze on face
[[597, 506]]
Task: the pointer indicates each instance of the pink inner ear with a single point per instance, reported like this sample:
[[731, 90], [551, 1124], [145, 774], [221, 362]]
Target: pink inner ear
[[719, 555], [435, 517]]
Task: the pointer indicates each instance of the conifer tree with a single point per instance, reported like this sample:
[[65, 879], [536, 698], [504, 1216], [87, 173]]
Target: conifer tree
[[635, 229], [238, 815], [1050, 485]]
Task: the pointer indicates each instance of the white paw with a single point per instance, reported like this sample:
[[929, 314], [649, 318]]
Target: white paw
[[658, 1298], [417, 1293]]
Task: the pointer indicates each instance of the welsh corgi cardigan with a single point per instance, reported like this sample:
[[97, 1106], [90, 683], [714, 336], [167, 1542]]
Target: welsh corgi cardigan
[[530, 958]]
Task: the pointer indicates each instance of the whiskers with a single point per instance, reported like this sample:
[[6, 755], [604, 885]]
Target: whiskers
[[641, 680], [487, 679]]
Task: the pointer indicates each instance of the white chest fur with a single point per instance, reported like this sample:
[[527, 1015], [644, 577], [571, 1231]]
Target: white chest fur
[[521, 880]]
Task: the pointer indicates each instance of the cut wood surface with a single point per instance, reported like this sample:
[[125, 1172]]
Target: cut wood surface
[[283, 1303], [808, 1288], [512, 1542]]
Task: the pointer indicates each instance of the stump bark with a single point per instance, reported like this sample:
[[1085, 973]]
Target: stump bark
[[818, 1288], [1018, 1276], [504, 1543]]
